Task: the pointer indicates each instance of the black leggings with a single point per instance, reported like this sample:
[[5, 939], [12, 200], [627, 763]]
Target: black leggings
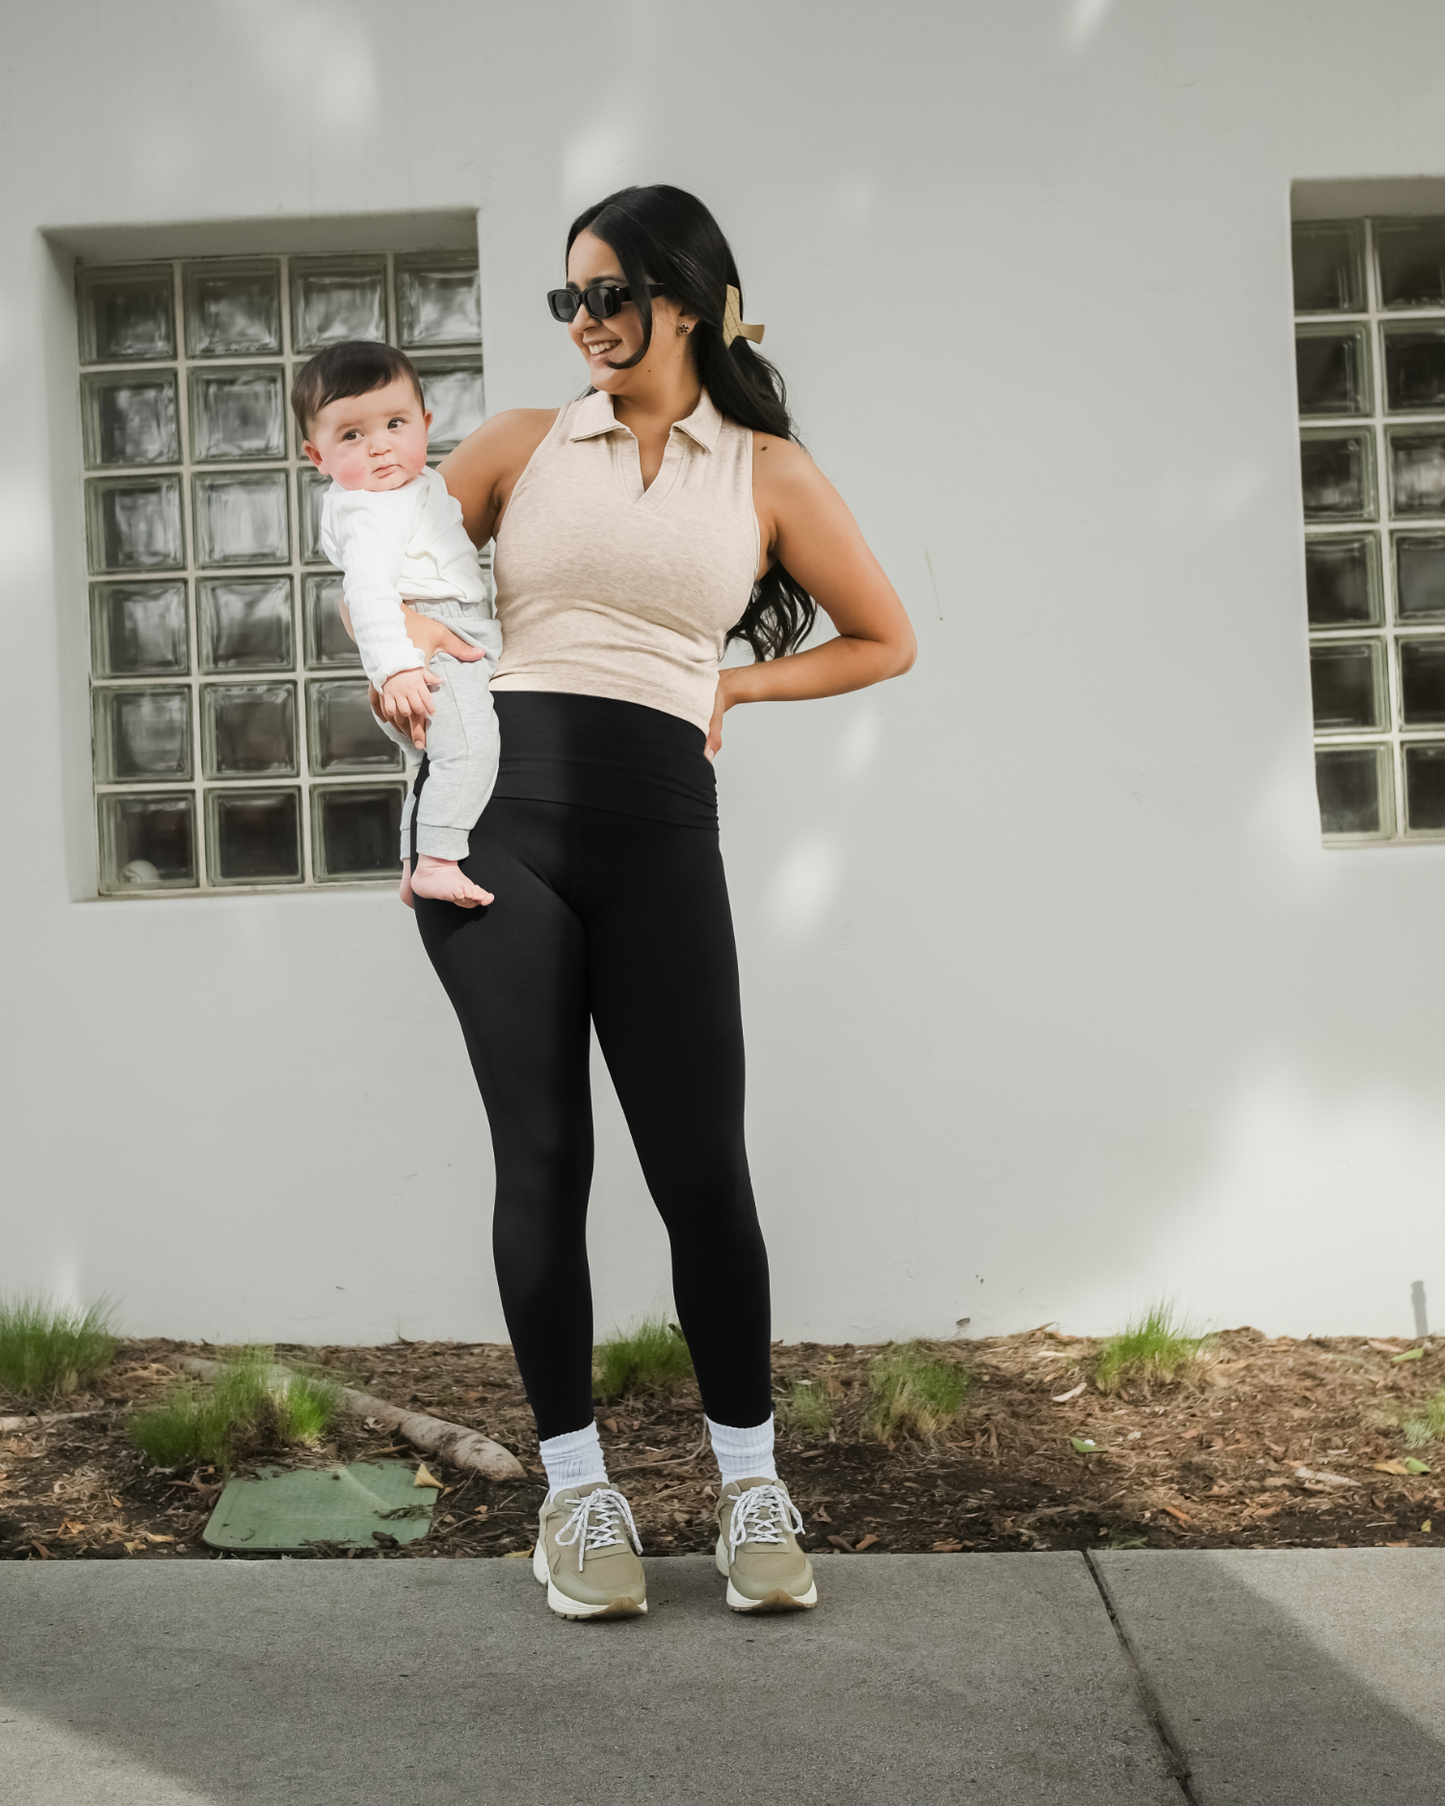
[[623, 919]]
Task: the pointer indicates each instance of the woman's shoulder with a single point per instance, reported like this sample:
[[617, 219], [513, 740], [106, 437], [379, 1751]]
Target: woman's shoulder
[[782, 451], [781, 464], [481, 471], [499, 447], [515, 428]]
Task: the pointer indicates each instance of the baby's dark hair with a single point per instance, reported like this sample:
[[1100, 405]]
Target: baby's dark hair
[[355, 367]]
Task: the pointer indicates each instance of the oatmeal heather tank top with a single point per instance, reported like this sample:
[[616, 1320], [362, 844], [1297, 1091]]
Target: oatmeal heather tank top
[[607, 589]]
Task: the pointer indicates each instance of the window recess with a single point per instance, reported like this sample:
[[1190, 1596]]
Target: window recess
[[232, 745], [1370, 369]]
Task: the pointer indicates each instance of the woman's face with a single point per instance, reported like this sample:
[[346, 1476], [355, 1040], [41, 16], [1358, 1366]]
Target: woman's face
[[604, 343]]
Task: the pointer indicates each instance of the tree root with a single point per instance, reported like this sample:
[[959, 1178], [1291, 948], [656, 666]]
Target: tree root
[[39, 1420], [453, 1442]]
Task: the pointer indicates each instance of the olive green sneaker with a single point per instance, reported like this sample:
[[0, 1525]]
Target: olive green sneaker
[[588, 1554], [757, 1549]]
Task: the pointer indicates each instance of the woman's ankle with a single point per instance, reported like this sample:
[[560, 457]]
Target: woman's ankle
[[743, 1454], [574, 1459]]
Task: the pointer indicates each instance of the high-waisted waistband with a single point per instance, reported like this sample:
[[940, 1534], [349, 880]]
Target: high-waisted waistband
[[597, 752]]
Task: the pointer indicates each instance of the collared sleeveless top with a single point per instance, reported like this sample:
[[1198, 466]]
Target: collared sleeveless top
[[606, 589]]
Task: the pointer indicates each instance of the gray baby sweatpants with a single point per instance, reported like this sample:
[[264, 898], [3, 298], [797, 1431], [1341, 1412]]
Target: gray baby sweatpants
[[463, 743]]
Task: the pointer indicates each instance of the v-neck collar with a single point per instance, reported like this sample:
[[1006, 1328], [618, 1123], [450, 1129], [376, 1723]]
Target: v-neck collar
[[595, 418]]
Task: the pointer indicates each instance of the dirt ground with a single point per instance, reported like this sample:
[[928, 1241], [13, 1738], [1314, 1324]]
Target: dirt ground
[[1268, 1443]]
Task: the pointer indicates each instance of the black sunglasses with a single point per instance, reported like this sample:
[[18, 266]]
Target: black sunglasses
[[601, 300]]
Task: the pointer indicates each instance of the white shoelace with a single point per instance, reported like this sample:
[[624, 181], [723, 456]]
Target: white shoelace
[[763, 1514], [596, 1523]]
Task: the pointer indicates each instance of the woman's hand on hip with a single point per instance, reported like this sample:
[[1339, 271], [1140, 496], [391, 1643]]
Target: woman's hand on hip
[[722, 702]]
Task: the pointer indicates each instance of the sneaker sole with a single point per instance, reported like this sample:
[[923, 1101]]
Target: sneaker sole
[[557, 1600], [776, 1601]]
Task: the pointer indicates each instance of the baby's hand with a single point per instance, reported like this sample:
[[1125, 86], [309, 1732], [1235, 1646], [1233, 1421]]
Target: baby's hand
[[406, 701]]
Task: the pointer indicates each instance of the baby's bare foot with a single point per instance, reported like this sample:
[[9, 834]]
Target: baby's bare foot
[[445, 880], [404, 888]]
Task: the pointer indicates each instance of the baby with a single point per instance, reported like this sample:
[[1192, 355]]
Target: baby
[[390, 526]]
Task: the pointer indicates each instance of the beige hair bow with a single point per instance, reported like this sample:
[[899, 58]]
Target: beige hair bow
[[734, 326]]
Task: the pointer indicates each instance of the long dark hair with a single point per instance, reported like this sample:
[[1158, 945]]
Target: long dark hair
[[666, 236]]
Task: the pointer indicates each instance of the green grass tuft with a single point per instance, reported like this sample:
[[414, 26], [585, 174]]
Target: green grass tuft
[[650, 1357], [1155, 1346], [806, 1408], [913, 1392], [249, 1403], [1428, 1425], [48, 1351], [188, 1425], [1125, 1537], [311, 1404]]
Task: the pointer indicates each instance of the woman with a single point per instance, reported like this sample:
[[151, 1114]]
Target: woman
[[637, 531]]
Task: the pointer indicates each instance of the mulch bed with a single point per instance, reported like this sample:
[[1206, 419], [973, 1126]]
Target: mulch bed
[[1268, 1443]]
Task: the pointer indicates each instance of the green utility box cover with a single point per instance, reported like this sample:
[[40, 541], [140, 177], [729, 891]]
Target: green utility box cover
[[286, 1511]]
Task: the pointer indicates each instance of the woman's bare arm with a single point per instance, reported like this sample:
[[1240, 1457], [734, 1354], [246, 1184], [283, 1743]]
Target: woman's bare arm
[[806, 526], [483, 469]]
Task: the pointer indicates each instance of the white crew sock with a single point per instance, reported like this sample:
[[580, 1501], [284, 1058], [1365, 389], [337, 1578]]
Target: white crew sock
[[743, 1454], [575, 1459]]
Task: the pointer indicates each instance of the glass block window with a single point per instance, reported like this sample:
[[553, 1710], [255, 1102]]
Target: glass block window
[[1370, 367], [232, 745]]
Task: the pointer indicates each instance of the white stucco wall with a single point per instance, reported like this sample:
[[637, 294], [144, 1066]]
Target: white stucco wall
[[1054, 1001]]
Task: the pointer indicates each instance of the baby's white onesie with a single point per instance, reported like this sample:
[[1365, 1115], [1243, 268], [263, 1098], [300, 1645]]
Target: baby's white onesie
[[410, 544]]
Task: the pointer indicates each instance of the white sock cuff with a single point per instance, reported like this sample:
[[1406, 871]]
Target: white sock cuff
[[743, 1454], [575, 1459]]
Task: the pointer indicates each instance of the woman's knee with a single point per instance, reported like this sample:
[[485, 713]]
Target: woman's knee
[[718, 1211]]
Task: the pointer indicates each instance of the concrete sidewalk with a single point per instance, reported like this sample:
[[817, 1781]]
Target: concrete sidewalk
[[1272, 1676], [1292, 1675]]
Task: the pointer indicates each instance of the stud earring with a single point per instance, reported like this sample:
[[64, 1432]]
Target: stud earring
[[683, 331]]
